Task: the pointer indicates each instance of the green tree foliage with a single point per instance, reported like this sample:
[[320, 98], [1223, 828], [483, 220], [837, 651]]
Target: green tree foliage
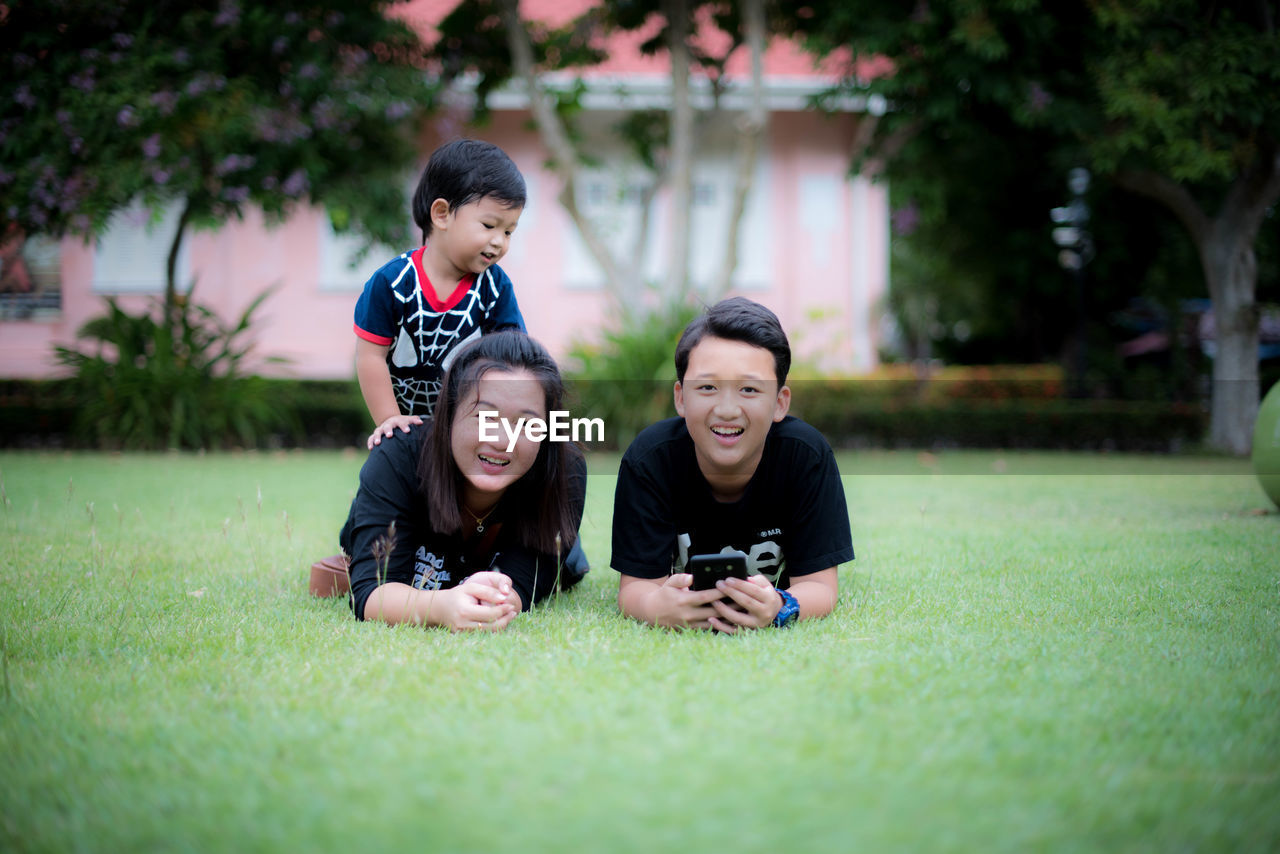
[[1177, 100], [213, 105]]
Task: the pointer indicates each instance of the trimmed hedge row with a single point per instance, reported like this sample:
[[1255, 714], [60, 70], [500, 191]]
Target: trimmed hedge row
[[1012, 424], [331, 413]]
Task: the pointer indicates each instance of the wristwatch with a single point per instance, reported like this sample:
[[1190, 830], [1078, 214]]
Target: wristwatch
[[789, 611]]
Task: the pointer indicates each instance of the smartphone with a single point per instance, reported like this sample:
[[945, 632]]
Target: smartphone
[[708, 569]]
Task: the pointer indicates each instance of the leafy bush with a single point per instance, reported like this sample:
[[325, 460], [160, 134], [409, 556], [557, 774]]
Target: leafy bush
[[626, 378], [148, 382]]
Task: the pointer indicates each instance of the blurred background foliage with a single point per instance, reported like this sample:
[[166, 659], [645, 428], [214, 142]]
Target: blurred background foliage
[[218, 105]]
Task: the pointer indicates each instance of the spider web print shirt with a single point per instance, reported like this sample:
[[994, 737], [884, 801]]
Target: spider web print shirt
[[399, 310]]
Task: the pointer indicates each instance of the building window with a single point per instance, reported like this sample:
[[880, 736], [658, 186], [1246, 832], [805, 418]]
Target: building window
[[132, 255], [344, 265], [30, 276]]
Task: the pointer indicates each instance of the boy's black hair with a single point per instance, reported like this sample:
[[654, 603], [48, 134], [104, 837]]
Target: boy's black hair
[[737, 319], [541, 495], [464, 171]]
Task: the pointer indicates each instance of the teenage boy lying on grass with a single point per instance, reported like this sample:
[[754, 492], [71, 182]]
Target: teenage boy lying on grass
[[732, 473]]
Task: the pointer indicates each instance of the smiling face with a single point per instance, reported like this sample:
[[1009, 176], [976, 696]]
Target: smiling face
[[475, 236], [728, 399], [488, 468]]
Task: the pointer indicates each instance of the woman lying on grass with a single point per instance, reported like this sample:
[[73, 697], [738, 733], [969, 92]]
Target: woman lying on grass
[[449, 530]]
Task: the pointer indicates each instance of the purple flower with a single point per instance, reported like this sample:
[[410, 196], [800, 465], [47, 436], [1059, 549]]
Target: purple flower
[[22, 62], [233, 162], [270, 182], [279, 45], [905, 220], [181, 56], [228, 14], [151, 147], [165, 102], [123, 40], [64, 118], [323, 114], [198, 85], [1038, 98], [127, 118], [160, 176], [80, 223], [310, 71], [5, 177], [296, 184], [24, 97], [83, 80], [235, 195], [292, 18], [77, 145], [397, 110]]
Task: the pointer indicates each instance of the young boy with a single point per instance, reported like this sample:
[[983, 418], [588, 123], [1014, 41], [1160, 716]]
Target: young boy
[[416, 310], [733, 472]]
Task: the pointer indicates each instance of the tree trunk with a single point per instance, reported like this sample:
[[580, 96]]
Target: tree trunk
[[1225, 244], [564, 159], [171, 267], [681, 148], [1231, 269], [751, 132]]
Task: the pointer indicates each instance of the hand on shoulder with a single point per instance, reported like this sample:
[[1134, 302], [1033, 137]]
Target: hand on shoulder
[[388, 428]]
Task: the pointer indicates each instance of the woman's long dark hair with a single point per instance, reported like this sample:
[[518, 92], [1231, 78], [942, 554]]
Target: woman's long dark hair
[[541, 495]]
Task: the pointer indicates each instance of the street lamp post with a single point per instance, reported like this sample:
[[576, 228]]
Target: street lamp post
[[1075, 251]]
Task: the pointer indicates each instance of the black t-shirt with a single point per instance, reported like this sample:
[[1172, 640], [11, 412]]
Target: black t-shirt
[[423, 557], [791, 520]]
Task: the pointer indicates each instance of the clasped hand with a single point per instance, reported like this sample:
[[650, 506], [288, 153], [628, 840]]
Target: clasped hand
[[753, 604], [484, 601]]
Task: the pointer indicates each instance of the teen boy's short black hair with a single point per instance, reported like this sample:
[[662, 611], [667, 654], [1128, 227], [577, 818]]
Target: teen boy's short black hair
[[737, 319], [463, 171]]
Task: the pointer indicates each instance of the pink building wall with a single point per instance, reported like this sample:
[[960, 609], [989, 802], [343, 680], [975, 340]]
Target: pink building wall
[[829, 266], [825, 235]]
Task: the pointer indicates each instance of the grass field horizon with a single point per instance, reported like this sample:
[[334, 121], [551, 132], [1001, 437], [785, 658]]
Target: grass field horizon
[[1065, 652]]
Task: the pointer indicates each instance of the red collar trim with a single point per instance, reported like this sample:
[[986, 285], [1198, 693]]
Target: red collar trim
[[464, 285]]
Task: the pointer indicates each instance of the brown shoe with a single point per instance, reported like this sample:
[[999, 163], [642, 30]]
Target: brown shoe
[[329, 577]]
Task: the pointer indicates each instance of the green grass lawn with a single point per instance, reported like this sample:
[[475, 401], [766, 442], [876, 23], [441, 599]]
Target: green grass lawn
[[1032, 652]]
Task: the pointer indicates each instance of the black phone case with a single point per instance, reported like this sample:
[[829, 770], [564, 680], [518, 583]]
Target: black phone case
[[708, 569]]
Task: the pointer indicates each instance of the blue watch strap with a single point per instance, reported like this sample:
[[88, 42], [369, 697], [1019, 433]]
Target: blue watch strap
[[789, 611]]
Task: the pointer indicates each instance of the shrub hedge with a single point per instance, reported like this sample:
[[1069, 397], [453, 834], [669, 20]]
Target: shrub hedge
[[852, 414]]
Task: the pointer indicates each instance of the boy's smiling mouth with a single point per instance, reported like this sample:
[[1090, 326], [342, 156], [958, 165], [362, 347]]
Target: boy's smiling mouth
[[727, 434]]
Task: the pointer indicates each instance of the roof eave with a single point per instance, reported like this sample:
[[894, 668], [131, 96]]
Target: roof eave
[[644, 91]]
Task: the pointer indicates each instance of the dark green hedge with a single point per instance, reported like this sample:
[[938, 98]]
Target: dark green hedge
[[331, 413], [1013, 424], [313, 413]]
